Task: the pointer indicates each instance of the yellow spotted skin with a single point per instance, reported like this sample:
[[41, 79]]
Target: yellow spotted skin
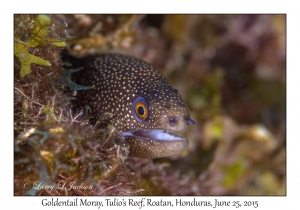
[[118, 81]]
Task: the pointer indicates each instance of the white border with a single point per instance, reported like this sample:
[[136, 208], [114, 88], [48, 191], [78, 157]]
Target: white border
[[8, 8]]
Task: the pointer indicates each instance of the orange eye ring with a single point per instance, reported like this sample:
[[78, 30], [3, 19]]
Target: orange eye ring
[[140, 109]]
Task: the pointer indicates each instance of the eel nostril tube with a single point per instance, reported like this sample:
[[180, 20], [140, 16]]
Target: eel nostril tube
[[190, 122]]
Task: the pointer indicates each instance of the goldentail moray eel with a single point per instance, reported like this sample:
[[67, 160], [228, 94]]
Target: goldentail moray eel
[[146, 109]]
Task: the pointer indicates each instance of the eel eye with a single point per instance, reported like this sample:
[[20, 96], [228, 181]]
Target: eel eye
[[140, 109]]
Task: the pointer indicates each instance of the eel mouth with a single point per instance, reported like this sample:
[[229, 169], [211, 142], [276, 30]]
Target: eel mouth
[[151, 143], [160, 135]]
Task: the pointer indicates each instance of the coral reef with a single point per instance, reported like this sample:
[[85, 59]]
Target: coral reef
[[230, 69]]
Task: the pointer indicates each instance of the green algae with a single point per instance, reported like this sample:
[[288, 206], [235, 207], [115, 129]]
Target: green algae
[[38, 36]]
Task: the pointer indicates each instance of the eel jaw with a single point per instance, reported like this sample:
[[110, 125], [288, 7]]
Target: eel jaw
[[152, 143]]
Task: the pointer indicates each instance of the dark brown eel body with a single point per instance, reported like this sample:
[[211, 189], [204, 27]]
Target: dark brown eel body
[[146, 108]]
